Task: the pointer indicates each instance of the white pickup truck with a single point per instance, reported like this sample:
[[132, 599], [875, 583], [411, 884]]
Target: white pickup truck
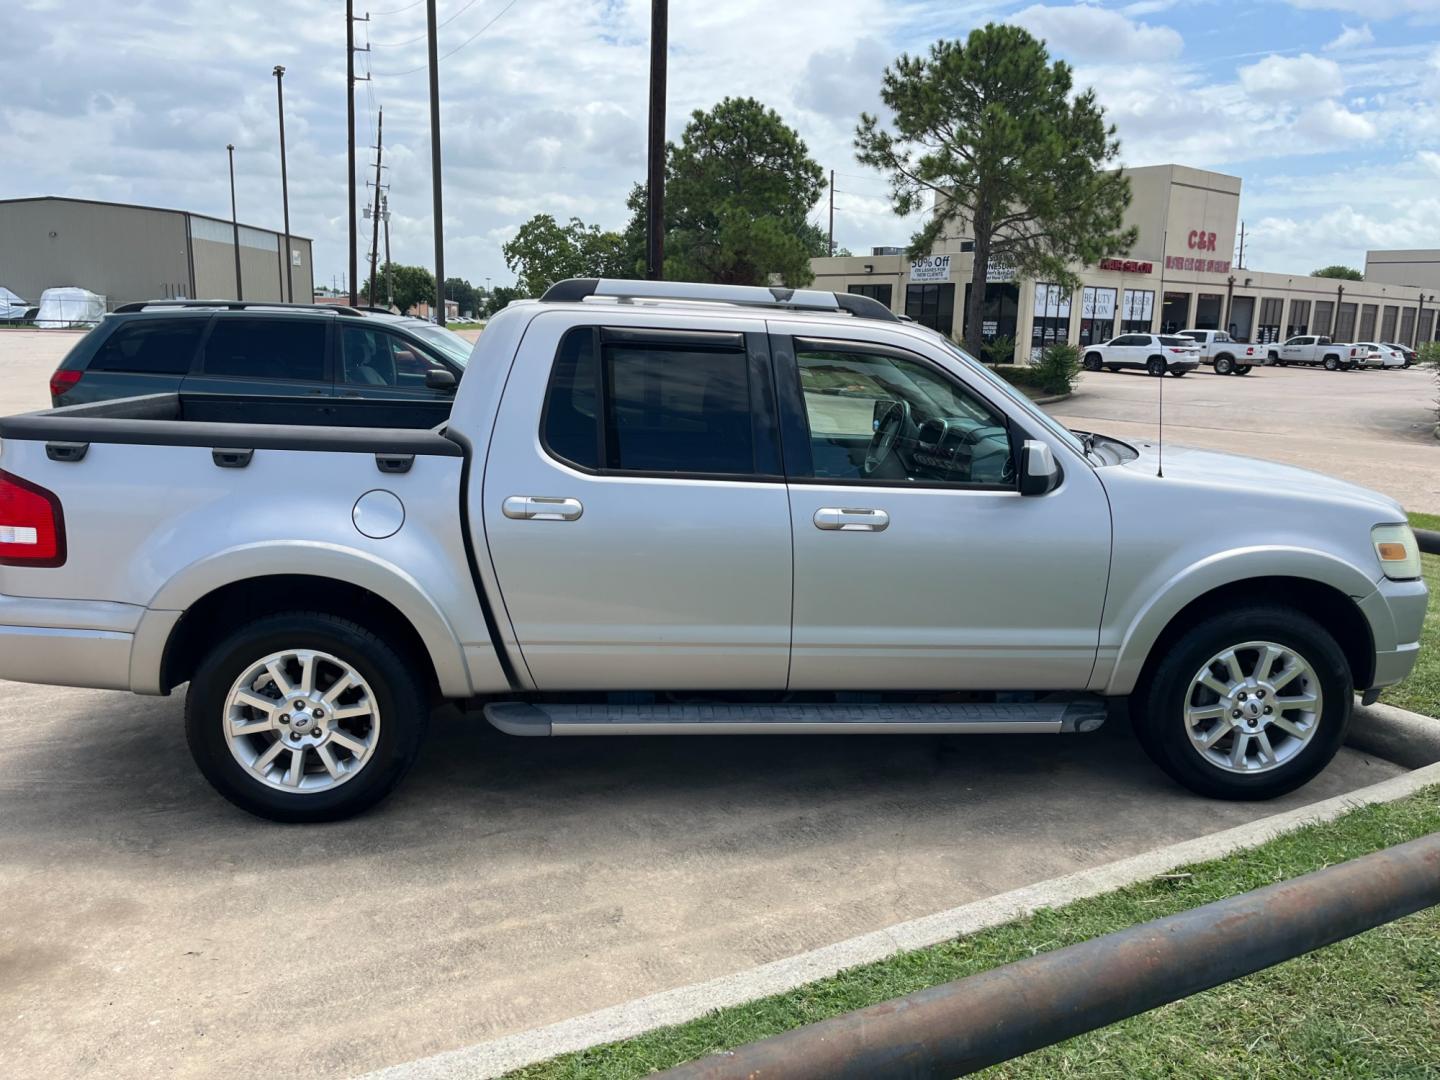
[[1317, 351], [1222, 352], [666, 508]]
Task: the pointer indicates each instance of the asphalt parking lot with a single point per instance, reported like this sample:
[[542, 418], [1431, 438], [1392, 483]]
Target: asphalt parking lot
[[151, 929]]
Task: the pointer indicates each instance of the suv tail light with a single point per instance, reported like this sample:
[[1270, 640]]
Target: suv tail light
[[32, 525], [64, 381]]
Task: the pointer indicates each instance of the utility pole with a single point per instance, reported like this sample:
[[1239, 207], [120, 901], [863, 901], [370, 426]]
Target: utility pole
[[1240, 263], [830, 245], [389, 268], [350, 82], [375, 232], [437, 207], [235, 223], [284, 180], [655, 193]]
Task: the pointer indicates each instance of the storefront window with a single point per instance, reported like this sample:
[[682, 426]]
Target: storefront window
[[1367, 321], [1299, 318], [882, 293], [999, 312], [1387, 322], [932, 306], [1407, 326], [1209, 307], [1097, 315], [1324, 313], [1344, 323], [1051, 324], [1427, 326], [1175, 313], [1271, 309], [1137, 310]]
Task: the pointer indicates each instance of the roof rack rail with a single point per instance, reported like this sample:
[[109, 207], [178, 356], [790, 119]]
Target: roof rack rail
[[574, 290], [232, 305]]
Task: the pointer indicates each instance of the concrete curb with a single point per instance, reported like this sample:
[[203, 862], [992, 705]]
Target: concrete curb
[[1052, 399], [1406, 738], [496, 1057]]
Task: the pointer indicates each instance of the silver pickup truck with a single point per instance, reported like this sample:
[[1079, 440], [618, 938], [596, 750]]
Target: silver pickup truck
[[666, 508]]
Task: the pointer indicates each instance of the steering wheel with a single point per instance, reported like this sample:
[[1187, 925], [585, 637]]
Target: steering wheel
[[887, 430]]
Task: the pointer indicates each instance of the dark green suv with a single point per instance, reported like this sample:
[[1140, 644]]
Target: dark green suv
[[252, 348]]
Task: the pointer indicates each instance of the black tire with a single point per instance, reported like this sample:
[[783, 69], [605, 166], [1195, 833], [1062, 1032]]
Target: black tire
[[1273, 357], [1332, 363], [1224, 365], [1347, 365], [1092, 361], [1157, 709], [1244, 369], [1112, 367], [1179, 372], [1155, 365], [399, 694]]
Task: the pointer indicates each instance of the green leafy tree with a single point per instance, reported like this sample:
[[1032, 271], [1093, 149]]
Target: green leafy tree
[[817, 242], [499, 297], [1345, 273], [409, 285], [463, 293], [739, 186], [992, 129], [545, 251]]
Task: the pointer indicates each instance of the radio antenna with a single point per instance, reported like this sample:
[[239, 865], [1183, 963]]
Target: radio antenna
[[1160, 440]]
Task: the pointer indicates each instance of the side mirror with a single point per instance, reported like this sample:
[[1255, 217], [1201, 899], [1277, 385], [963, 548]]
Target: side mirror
[[440, 379], [1039, 472]]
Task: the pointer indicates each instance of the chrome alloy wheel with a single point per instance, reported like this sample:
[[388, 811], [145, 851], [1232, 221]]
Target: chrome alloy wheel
[[301, 721], [1253, 707]]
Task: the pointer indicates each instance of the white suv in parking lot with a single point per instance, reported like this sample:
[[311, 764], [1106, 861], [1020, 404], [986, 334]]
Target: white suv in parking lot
[[1155, 353]]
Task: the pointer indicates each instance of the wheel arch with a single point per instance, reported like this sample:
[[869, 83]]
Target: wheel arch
[[1323, 586], [218, 593]]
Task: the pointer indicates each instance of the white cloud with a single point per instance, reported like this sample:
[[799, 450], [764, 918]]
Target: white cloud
[[1371, 9], [1430, 159], [1352, 37], [1094, 33], [1146, 7], [1330, 121], [1285, 78]]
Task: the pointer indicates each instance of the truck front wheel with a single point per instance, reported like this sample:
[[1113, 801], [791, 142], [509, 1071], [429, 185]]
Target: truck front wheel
[[304, 716], [1248, 704]]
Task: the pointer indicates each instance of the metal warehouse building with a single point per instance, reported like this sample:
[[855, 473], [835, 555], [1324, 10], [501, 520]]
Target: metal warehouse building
[[1179, 275], [126, 253]]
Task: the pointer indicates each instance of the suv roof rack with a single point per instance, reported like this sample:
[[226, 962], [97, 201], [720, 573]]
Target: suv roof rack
[[574, 290], [233, 305]]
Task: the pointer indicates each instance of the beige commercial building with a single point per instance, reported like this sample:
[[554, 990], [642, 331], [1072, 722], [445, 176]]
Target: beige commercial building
[[1179, 275], [127, 253]]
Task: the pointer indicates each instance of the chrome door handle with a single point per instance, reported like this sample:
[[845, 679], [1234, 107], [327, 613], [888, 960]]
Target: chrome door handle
[[541, 508], [846, 519]]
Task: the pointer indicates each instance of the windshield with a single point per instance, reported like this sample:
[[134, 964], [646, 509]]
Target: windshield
[[448, 343], [1017, 396]]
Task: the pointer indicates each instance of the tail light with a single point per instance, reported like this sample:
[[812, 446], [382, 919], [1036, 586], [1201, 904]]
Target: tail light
[[63, 381], [32, 525]]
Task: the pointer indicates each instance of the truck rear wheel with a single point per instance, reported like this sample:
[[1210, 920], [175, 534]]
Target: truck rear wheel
[[1332, 363], [1224, 365], [1248, 704], [304, 716]]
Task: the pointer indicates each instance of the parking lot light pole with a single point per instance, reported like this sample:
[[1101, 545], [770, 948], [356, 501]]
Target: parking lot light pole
[[284, 181], [655, 185], [235, 223]]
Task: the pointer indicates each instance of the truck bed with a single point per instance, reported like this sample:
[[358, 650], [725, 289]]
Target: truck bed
[[356, 425]]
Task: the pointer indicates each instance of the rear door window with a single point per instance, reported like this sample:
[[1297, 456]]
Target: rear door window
[[371, 357], [270, 349], [150, 347]]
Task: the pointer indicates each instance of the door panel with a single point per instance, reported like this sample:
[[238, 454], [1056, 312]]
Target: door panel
[[642, 582], [928, 574]]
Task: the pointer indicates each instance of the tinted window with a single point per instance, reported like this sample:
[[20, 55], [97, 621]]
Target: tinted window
[[371, 357], [150, 347], [665, 409], [893, 420], [570, 428], [677, 410], [1176, 341], [267, 348]]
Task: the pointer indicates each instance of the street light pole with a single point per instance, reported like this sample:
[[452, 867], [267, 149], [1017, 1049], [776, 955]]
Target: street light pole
[[437, 207], [284, 181], [235, 223], [655, 187]]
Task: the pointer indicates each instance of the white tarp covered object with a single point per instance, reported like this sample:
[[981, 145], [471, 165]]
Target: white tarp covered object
[[69, 306], [11, 306]]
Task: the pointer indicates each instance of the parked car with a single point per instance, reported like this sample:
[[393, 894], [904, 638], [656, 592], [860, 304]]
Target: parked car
[[1319, 351], [1380, 355], [1224, 353], [706, 509], [253, 347], [1406, 351], [1154, 353]]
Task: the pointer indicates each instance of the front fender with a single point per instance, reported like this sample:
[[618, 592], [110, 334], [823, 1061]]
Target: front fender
[[1144, 625], [312, 559]]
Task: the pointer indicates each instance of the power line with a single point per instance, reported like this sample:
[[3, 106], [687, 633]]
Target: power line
[[452, 52], [412, 41]]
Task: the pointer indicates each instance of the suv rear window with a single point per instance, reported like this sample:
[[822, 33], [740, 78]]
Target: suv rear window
[[150, 347], [1176, 341], [267, 348]]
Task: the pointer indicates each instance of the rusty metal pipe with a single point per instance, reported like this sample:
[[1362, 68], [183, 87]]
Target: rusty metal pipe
[[997, 1015]]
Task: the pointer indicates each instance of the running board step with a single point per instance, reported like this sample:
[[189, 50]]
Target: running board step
[[1077, 713]]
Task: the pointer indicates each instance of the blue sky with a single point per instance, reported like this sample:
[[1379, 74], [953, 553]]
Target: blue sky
[[1328, 109]]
